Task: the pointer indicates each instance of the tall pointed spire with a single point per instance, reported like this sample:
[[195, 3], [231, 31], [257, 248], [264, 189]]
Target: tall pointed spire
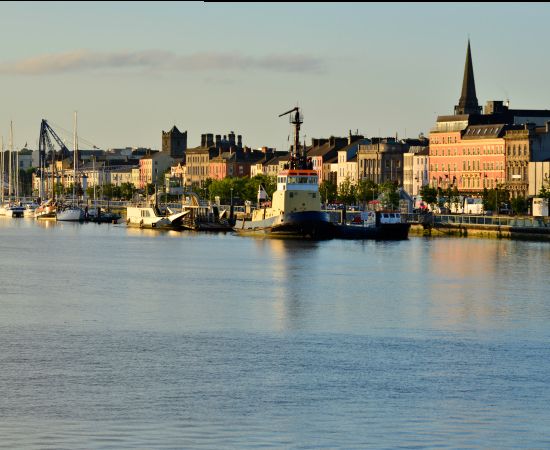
[[468, 100]]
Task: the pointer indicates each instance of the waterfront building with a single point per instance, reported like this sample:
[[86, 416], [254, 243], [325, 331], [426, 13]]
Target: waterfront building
[[136, 177], [323, 150], [174, 142], [524, 144], [347, 163], [234, 163], [274, 165], [198, 158], [415, 169], [381, 160], [468, 149], [152, 168]]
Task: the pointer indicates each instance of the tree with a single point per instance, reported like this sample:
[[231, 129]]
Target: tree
[[127, 191], [366, 191], [429, 195], [346, 192], [328, 191], [389, 196], [544, 192], [519, 205]]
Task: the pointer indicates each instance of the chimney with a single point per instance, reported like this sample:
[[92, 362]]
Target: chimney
[[218, 140], [203, 140], [239, 141], [210, 140], [232, 138]]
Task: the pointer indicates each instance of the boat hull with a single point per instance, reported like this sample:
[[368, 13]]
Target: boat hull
[[391, 231], [306, 224], [70, 215]]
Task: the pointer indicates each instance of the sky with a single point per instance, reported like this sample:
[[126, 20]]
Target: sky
[[133, 69]]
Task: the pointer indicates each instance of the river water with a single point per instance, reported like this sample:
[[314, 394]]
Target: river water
[[123, 338]]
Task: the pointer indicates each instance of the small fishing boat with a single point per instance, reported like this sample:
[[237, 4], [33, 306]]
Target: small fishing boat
[[380, 225]]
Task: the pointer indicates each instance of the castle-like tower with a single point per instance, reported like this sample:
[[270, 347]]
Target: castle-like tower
[[468, 100], [174, 142]]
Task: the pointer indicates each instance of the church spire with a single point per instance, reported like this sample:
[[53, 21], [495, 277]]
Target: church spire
[[468, 100]]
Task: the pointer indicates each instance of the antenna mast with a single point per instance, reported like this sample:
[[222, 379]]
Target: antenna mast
[[298, 154]]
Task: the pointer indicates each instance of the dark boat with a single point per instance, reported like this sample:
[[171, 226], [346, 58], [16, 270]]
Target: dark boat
[[379, 225]]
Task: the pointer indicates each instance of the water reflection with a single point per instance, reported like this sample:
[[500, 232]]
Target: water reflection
[[292, 266]]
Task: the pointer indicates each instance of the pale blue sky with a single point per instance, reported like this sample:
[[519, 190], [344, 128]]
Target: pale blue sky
[[133, 69]]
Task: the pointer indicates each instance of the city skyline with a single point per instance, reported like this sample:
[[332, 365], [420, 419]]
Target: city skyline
[[132, 70]]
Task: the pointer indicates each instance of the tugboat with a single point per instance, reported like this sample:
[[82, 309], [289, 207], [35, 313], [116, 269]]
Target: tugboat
[[295, 209]]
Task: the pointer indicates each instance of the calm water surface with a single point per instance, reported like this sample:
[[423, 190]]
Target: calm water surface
[[120, 338]]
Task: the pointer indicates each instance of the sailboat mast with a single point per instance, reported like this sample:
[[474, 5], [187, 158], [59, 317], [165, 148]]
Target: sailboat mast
[[16, 165], [53, 168], [75, 153], [10, 164]]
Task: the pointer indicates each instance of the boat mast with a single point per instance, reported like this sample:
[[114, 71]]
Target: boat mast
[[10, 181], [16, 168], [298, 155], [75, 153]]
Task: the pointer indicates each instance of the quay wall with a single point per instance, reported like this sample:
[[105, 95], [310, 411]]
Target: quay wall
[[484, 231]]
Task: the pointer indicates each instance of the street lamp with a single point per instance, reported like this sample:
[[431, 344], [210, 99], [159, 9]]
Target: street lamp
[[231, 189]]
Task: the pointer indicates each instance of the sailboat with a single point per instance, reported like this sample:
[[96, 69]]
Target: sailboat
[[72, 213], [11, 208]]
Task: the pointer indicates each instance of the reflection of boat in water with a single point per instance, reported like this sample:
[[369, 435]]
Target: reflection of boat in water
[[153, 217], [382, 225], [296, 205]]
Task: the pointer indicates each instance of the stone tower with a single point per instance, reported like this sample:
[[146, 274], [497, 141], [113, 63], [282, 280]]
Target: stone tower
[[174, 142], [468, 100]]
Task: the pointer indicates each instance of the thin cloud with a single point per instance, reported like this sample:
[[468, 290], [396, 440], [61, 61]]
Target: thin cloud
[[86, 60]]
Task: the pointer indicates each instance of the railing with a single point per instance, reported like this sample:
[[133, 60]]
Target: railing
[[522, 222]]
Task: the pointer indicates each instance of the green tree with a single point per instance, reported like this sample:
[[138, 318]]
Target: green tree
[[429, 195], [519, 205], [366, 190], [544, 192], [389, 195], [346, 192], [328, 191], [127, 191]]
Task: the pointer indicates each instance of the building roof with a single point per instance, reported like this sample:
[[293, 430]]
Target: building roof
[[491, 131]]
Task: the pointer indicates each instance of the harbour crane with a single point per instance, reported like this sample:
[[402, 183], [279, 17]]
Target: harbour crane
[[45, 144]]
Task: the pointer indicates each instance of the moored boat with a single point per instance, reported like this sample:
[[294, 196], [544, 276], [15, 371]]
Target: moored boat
[[380, 225], [153, 217], [12, 210], [295, 209]]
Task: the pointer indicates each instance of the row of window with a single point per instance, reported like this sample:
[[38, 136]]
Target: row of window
[[467, 166], [485, 150]]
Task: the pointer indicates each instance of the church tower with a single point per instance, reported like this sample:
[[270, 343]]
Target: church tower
[[468, 100]]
